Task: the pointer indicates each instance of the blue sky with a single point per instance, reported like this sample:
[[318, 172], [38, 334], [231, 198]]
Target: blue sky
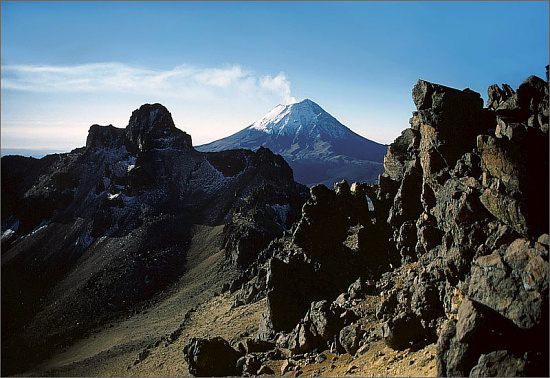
[[219, 66]]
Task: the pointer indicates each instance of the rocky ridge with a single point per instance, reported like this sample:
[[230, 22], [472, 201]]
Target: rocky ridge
[[455, 247], [98, 233]]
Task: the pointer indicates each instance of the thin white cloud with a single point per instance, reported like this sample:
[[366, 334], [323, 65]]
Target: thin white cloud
[[183, 81], [221, 77], [279, 85]]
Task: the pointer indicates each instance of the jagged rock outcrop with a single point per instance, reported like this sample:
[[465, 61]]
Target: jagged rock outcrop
[[331, 245], [528, 104], [105, 137], [151, 127], [214, 357], [470, 201], [251, 228], [457, 240], [89, 235]]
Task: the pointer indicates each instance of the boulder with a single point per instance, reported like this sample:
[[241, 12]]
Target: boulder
[[403, 331], [449, 121], [400, 153], [349, 338], [291, 287], [248, 365], [406, 203], [499, 363], [304, 338], [515, 182], [211, 357], [326, 324], [454, 359], [458, 204], [506, 281], [480, 331], [323, 211]]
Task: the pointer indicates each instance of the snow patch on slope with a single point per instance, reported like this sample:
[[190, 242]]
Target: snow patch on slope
[[282, 212], [209, 179]]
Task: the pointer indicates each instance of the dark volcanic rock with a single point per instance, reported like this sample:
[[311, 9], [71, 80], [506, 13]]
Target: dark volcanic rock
[[501, 98], [401, 154], [498, 364], [332, 244], [463, 206], [512, 284], [291, 288], [252, 227], [248, 365], [211, 357], [105, 137], [471, 216], [515, 184], [449, 121], [349, 338], [403, 331], [323, 319], [320, 325], [360, 289], [151, 126]]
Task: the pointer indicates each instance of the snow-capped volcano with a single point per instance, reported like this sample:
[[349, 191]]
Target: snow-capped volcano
[[299, 118], [315, 144]]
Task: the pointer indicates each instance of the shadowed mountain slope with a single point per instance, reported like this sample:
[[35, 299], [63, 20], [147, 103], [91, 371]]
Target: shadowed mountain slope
[[89, 235], [315, 144]]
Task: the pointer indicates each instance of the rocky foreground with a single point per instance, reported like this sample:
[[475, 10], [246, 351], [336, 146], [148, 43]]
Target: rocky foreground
[[454, 252]]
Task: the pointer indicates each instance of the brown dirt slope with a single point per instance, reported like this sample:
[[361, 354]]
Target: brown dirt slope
[[151, 343]]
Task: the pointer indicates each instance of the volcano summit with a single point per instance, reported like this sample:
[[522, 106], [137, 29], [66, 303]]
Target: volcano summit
[[315, 144]]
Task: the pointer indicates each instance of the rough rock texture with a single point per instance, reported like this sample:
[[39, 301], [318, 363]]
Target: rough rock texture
[[151, 126], [349, 338], [211, 357], [498, 364], [329, 248], [456, 240], [467, 190], [88, 235], [320, 324]]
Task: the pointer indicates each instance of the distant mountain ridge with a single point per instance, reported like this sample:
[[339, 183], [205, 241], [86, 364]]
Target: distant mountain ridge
[[316, 145]]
